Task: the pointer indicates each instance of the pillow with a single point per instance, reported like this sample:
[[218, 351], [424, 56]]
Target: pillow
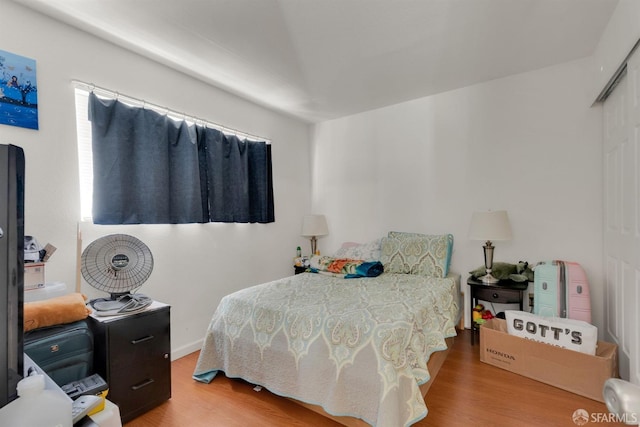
[[413, 253], [54, 311], [346, 245], [367, 251], [448, 237]]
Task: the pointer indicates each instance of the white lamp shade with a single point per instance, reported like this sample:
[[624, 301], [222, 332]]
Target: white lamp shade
[[490, 225], [314, 225]]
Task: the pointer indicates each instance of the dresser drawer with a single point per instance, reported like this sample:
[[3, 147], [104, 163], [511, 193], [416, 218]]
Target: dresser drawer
[[139, 342], [143, 389], [503, 296]]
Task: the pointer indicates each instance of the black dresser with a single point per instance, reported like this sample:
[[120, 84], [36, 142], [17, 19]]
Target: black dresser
[[133, 354]]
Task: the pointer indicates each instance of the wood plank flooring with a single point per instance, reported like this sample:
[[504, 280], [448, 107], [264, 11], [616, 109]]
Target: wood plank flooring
[[465, 393]]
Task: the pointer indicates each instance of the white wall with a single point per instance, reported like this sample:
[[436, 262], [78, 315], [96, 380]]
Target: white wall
[[618, 38], [529, 143], [195, 265]]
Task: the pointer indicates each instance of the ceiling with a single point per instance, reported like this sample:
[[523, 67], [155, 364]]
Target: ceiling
[[323, 59]]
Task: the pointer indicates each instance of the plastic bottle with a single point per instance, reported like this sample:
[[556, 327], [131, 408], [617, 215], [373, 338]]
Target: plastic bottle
[[36, 406], [298, 252]]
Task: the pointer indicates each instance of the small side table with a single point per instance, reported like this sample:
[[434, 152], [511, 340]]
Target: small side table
[[503, 292], [132, 353]]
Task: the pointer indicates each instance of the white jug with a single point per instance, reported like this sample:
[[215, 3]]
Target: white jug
[[36, 407]]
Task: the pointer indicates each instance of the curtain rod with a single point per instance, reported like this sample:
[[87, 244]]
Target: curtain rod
[[90, 87]]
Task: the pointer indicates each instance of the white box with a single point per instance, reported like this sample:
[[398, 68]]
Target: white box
[[571, 334], [108, 417], [33, 275]]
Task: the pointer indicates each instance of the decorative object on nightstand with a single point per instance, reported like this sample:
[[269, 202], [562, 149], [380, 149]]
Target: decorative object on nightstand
[[314, 226], [301, 264], [489, 225], [502, 292]]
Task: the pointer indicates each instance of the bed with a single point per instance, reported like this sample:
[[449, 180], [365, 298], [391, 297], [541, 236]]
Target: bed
[[357, 349]]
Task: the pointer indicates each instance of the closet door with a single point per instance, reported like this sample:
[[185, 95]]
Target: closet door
[[622, 218]]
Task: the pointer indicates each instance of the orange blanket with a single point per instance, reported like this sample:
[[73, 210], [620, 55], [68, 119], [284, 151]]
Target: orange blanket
[[54, 311]]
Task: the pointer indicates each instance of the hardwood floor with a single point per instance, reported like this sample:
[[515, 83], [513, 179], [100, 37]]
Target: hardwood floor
[[465, 393]]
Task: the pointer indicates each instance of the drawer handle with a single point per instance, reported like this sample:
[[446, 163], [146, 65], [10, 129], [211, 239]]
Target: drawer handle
[[495, 295], [139, 340], [141, 385]]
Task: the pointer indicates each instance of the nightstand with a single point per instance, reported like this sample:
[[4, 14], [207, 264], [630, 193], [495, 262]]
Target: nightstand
[[132, 353], [503, 292]]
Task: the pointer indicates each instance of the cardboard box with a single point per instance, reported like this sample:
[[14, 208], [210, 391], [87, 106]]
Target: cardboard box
[[570, 370], [33, 275]]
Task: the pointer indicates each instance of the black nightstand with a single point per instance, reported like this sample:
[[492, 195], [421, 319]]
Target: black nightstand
[[503, 292], [132, 353]]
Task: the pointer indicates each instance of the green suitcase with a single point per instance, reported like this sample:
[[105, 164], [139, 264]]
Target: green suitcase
[[64, 352]]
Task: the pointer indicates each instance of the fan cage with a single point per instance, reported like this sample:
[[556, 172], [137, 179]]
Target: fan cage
[[117, 263]]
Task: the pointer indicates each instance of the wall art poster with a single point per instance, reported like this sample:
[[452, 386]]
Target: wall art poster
[[18, 91]]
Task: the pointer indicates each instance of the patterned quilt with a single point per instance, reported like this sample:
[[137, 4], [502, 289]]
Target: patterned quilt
[[356, 347]]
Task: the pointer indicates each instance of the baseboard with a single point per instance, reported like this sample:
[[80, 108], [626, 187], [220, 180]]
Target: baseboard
[[177, 353]]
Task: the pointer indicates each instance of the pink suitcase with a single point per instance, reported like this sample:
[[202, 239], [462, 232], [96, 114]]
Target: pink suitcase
[[561, 289], [578, 296]]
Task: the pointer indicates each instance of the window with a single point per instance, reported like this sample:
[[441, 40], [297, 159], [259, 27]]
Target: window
[[142, 166], [85, 158]]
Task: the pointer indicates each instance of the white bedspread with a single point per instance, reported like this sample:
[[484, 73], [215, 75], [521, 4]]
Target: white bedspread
[[357, 347]]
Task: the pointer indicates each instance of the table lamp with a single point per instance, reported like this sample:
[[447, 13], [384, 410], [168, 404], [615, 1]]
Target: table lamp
[[314, 226], [488, 226]]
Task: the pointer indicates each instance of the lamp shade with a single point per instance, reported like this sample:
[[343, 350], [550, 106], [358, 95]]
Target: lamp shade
[[490, 225], [314, 225]]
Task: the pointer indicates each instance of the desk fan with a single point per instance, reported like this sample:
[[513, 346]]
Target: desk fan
[[118, 264]]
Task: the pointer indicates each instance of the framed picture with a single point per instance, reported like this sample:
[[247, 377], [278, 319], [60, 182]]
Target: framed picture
[[18, 91]]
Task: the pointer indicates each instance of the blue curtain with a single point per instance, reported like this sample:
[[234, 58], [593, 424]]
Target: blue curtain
[[149, 169], [238, 177]]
